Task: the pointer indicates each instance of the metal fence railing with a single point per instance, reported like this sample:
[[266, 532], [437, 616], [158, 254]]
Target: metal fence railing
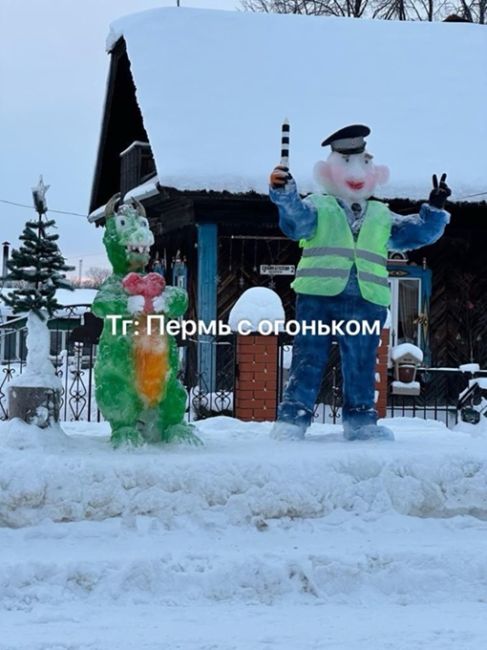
[[211, 390], [73, 360], [439, 398]]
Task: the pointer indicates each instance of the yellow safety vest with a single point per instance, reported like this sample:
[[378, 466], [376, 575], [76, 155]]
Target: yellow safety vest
[[329, 255]]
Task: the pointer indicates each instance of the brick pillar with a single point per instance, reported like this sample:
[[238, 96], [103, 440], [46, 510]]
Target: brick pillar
[[256, 381], [381, 374]]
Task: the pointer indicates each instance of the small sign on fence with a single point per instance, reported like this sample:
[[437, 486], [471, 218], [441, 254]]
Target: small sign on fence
[[277, 269]]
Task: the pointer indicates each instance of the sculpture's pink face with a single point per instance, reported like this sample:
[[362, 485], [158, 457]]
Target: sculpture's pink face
[[352, 177]]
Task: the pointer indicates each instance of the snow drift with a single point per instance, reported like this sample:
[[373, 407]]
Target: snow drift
[[240, 474], [245, 542]]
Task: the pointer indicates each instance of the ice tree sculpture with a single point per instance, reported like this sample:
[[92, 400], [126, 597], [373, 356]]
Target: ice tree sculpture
[[36, 269]]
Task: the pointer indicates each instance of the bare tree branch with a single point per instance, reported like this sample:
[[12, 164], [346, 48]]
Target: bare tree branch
[[430, 10], [351, 8]]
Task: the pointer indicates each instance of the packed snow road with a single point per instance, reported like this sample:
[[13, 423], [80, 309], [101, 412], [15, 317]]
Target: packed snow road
[[244, 543]]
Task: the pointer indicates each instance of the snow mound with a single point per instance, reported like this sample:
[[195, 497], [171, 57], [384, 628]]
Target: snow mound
[[402, 349], [103, 548], [140, 562], [16, 434], [254, 306], [469, 367], [241, 474]]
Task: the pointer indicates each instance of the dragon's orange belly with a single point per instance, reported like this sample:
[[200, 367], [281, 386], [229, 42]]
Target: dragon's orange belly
[[151, 365]]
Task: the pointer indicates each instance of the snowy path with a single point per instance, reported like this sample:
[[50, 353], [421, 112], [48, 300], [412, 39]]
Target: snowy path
[[245, 543], [455, 625]]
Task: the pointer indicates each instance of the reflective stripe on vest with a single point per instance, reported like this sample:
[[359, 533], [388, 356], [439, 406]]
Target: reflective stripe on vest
[[329, 255], [370, 277], [322, 273], [346, 252]]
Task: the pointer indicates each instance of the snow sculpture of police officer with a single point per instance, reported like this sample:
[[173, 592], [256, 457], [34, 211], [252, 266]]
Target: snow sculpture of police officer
[[342, 275]]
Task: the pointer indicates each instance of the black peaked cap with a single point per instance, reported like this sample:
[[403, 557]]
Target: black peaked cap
[[350, 139]]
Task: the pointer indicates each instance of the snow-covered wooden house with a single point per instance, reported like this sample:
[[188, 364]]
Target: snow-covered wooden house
[[191, 127]]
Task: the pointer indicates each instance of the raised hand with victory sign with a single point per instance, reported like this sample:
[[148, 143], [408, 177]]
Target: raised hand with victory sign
[[439, 193]]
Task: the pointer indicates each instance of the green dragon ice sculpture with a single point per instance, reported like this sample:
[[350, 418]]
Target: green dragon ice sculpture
[[137, 389]]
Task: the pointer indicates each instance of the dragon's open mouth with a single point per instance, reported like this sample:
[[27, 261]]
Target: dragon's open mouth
[[137, 249]]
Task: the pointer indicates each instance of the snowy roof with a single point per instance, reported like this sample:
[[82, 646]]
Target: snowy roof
[[214, 86]]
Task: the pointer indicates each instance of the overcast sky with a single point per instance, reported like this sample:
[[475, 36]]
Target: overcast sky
[[53, 72]]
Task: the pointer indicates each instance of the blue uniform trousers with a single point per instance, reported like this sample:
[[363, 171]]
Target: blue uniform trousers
[[310, 357]]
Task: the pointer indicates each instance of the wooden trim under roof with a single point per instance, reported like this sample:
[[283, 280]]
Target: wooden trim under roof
[[122, 124]]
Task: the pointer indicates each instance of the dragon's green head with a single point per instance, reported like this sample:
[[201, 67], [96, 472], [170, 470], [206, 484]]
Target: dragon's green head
[[127, 237]]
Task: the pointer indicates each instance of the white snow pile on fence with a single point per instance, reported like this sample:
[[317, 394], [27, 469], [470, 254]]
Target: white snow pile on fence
[[469, 367], [402, 349], [255, 305], [191, 543]]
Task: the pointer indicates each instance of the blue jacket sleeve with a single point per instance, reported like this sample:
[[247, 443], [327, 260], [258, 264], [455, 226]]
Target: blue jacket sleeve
[[417, 230], [297, 218]]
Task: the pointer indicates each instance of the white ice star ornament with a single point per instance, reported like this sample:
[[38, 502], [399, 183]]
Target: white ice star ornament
[[39, 194]]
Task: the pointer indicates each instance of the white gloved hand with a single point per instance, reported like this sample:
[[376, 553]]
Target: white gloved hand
[[136, 304], [159, 303]]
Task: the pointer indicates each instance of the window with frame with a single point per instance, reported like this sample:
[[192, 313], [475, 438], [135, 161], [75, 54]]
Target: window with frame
[[405, 309]]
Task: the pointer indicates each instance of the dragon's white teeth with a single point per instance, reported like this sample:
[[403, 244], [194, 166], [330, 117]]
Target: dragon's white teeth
[[132, 248]]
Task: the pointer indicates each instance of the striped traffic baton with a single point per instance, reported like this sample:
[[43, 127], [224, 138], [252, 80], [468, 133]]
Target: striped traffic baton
[[285, 143]]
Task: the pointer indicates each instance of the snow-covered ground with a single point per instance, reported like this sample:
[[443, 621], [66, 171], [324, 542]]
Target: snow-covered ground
[[244, 543]]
